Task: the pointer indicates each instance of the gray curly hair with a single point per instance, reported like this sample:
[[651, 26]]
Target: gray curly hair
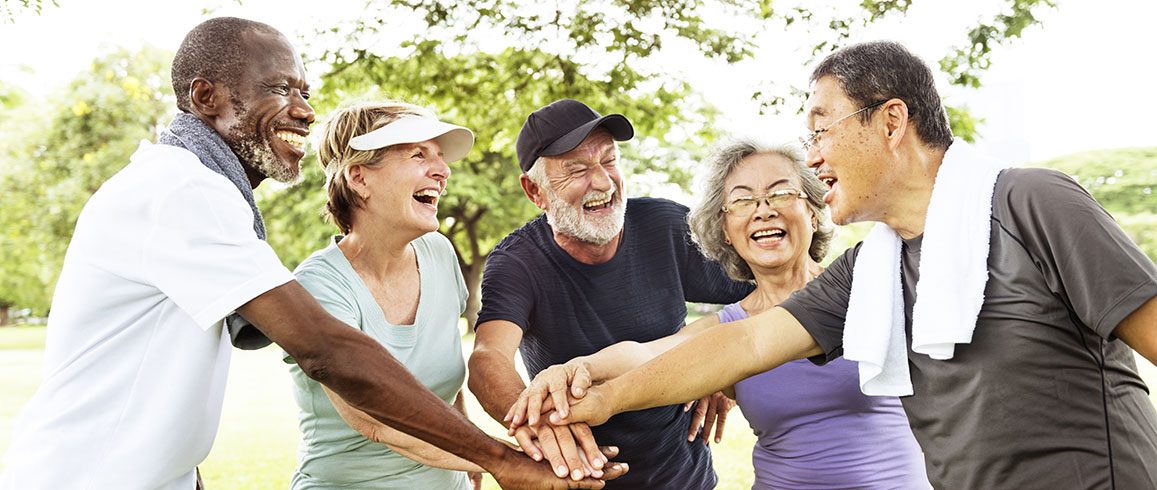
[[706, 217]]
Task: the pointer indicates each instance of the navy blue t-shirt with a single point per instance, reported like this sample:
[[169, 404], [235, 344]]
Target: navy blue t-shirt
[[568, 309]]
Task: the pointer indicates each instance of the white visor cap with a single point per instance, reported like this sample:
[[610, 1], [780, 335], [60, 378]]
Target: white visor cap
[[455, 141]]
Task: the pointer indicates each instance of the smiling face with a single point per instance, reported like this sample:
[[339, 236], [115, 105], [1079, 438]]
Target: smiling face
[[269, 117], [848, 156], [768, 238], [583, 195], [403, 189]]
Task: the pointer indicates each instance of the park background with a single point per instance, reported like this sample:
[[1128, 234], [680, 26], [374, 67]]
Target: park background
[[1062, 84]]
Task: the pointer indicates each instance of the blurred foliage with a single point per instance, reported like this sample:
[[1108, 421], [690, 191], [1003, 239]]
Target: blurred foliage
[[55, 154], [9, 9]]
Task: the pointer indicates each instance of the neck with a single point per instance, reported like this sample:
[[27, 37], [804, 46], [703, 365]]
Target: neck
[[586, 252], [773, 286], [375, 251], [912, 190], [255, 177]]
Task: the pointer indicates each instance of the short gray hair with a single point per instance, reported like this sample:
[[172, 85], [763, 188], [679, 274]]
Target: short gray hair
[[877, 71], [706, 217]]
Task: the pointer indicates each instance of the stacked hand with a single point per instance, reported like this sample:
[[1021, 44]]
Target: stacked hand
[[567, 394]]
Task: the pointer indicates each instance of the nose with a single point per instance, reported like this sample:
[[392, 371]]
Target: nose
[[439, 169], [300, 109], [601, 179], [764, 210], [812, 157]]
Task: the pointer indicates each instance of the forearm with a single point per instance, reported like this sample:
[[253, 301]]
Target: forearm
[[372, 381], [400, 442], [494, 382], [750, 347]]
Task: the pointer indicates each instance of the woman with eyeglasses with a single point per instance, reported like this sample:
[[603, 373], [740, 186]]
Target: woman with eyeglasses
[[762, 217]]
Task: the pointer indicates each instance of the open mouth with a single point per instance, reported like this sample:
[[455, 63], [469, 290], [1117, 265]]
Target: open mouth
[[769, 235], [294, 138], [427, 196], [598, 204]]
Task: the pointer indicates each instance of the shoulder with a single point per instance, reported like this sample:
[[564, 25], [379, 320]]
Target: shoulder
[[320, 267], [526, 238], [656, 207], [1018, 184]]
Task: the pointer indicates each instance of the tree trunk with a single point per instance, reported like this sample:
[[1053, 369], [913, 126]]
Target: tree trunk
[[473, 276], [4, 314]]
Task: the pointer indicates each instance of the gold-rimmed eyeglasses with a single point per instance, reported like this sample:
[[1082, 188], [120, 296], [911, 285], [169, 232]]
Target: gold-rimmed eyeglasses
[[742, 207], [809, 141]]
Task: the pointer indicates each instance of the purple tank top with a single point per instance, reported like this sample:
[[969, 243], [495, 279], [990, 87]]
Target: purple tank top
[[816, 430]]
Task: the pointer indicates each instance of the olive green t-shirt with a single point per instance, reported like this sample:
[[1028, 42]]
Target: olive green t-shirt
[[334, 455], [1044, 396]]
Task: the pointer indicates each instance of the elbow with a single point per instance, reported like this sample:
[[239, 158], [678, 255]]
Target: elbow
[[315, 364]]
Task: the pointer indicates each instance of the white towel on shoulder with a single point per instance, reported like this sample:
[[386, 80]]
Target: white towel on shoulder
[[953, 273]]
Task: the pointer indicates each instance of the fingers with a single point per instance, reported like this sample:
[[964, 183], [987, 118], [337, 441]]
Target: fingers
[[552, 453], [709, 419], [721, 419], [526, 441], [586, 442], [570, 452], [697, 418], [516, 414], [609, 452], [615, 470], [533, 409], [580, 382], [558, 396]]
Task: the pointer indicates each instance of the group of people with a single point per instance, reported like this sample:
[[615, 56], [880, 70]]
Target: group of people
[[1014, 370]]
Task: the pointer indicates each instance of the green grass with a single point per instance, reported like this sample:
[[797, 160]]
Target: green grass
[[257, 441]]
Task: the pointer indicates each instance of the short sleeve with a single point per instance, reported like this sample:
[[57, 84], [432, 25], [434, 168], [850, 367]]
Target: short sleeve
[[507, 291], [822, 305], [1085, 257], [202, 253]]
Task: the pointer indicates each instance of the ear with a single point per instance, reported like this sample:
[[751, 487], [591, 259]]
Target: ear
[[895, 121], [355, 177], [533, 192], [207, 98]]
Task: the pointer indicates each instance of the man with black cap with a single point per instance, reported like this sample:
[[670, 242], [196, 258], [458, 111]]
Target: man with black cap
[[594, 270]]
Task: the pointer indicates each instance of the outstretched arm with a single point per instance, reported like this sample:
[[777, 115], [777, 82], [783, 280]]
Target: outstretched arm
[[1139, 330], [402, 443], [366, 376], [750, 346]]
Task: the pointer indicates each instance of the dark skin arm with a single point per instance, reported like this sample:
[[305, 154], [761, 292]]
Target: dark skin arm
[[369, 379], [1139, 330]]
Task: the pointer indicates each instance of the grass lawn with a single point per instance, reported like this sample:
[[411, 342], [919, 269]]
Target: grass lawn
[[256, 445]]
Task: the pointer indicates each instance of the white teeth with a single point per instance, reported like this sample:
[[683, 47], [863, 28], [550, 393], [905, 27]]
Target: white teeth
[[427, 193], [291, 138], [765, 233]]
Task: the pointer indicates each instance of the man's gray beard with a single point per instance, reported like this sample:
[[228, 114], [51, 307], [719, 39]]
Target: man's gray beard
[[572, 221], [261, 157]]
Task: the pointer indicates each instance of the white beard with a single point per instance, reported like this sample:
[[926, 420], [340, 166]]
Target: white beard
[[572, 221]]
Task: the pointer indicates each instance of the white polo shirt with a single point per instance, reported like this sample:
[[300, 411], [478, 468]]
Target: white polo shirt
[[136, 357]]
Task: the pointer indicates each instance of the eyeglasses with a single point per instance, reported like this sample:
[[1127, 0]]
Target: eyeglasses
[[812, 138], [742, 207]]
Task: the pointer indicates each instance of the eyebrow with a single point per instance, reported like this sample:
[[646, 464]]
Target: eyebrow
[[749, 189]]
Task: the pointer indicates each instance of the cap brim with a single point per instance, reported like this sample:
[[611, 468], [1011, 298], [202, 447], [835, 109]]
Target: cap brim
[[617, 124], [455, 140]]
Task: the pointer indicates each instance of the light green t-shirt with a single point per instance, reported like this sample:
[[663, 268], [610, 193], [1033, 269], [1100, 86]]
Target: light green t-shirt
[[333, 455]]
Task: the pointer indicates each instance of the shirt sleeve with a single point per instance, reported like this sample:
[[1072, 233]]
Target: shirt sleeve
[[1085, 257], [822, 305], [507, 291], [202, 253]]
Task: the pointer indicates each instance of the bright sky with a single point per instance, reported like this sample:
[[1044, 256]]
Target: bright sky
[[1082, 81]]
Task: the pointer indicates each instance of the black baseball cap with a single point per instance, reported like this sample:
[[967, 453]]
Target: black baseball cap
[[560, 126]]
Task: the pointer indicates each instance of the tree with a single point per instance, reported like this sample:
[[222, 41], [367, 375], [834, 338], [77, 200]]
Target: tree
[[54, 162]]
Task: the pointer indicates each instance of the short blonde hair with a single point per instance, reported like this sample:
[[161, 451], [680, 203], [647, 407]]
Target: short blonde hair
[[706, 217], [335, 155]]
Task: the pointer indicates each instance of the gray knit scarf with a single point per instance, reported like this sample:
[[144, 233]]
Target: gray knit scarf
[[189, 132]]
